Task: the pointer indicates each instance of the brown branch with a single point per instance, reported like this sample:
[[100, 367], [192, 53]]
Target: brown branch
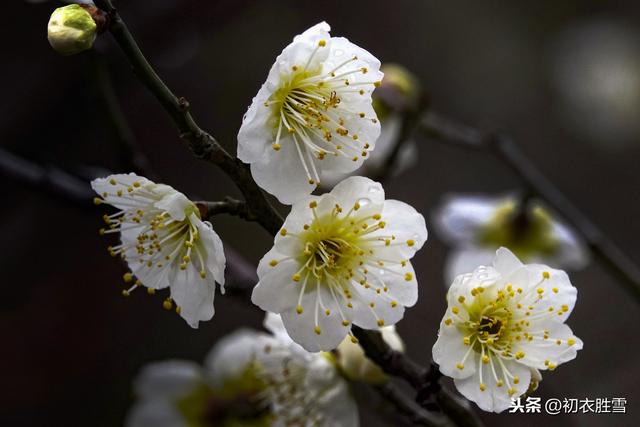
[[205, 147], [615, 260], [430, 395], [202, 144]]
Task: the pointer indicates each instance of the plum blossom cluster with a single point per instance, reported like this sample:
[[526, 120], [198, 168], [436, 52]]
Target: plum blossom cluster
[[249, 379], [164, 242], [503, 325], [341, 258]]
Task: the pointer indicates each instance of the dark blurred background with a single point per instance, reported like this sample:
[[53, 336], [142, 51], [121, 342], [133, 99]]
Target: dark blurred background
[[562, 77]]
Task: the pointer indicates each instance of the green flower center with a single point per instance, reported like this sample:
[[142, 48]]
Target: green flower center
[[527, 234], [236, 404]]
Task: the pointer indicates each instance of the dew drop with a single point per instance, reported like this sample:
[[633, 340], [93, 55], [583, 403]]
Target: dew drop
[[364, 201]]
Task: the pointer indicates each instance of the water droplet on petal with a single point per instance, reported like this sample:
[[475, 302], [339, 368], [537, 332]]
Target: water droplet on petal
[[363, 201]]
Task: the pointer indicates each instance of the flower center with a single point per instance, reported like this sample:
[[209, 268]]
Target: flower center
[[526, 233], [309, 106], [490, 326]]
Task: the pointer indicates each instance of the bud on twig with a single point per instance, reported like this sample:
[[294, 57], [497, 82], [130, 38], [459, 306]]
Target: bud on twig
[[73, 28]]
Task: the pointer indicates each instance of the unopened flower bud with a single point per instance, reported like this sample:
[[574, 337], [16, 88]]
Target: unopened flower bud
[[398, 92], [71, 30]]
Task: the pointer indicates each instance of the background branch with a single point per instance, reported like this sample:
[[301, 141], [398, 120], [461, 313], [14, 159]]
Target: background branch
[[202, 144], [49, 179], [615, 260]]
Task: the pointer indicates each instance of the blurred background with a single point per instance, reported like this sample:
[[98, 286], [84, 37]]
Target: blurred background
[[561, 77]]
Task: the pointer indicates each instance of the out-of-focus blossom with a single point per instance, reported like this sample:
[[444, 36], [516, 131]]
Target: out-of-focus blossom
[[503, 324], [355, 365], [164, 242], [313, 114], [397, 95], [71, 30], [341, 258], [475, 226], [250, 379], [595, 70]]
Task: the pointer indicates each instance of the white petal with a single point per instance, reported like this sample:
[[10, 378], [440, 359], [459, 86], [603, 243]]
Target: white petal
[[506, 262], [167, 380], [557, 289], [300, 50], [282, 174], [538, 351], [103, 186], [493, 398], [401, 290], [214, 252], [175, 203], [232, 354], [338, 406], [368, 193], [383, 311], [465, 261], [302, 327], [277, 291], [572, 252], [155, 414], [449, 350], [194, 295], [257, 131], [407, 225], [459, 217]]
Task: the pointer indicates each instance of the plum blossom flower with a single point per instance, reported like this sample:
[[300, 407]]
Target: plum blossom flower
[[313, 114], [475, 226], [249, 379], [503, 324], [164, 242], [341, 258]]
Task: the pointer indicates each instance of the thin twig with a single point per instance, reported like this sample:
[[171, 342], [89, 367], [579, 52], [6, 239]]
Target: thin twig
[[615, 260], [202, 144]]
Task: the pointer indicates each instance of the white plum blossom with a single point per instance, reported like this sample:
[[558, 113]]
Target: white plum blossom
[[355, 365], [503, 324], [341, 258], [249, 379], [164, 242], [475, 226], [313, 114]]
